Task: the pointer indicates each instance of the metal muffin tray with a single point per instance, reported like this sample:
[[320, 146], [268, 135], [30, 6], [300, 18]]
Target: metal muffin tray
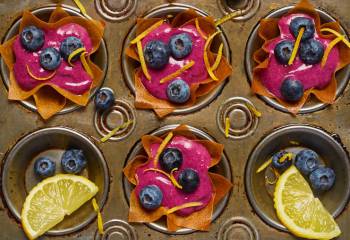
[[247, 212]]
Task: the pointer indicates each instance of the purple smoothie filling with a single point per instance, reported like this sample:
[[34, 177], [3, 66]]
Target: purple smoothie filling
[[311, 76], [73, 79], [195, 156], [197, 73]]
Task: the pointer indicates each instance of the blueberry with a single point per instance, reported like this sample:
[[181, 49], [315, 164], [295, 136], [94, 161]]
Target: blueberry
[[292, 90], [277, 164], [283, 51], [69, 45], [297, 23], [32, 38], [311, 51], [180, 45], [178, 91], [306, 161], [189, 180], [156, 54], [322, 179], [151, 197], [44, 167], [170, 158], [50, 59], [73, 161], [104, 99]]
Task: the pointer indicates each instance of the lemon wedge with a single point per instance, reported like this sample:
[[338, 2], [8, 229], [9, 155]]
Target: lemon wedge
[[298, 209], [53, 198]]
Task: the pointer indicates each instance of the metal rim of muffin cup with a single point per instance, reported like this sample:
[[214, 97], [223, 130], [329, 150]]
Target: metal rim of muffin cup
[[331, 152], [101, 56], [21, 156], [129, 65], [254, 43], [225, 170]]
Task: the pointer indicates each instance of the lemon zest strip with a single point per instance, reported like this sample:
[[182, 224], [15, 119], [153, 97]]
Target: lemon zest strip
[[146, 32], [294, 142], [227, 126], [86, 65], [218, 58], [170, 176], [336, 34], [264, 165], [99, 216], [74, 53], [228, 17], [254, 110], [199, 29], [142, 60], [40, 78], [81, 7], [287, 156], [329, 48], [186, 205], [177, 72], [111, 133], [162, 146], [205, 56], [296, 46]]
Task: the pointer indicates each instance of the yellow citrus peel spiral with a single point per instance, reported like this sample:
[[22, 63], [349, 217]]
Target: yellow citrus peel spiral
[[39, 78], [177, 73]]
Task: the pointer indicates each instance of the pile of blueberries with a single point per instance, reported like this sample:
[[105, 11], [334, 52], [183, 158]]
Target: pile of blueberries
[[157, 54], [32, 40], [307, 161], [73, 161], [151, 196], [310, 52]]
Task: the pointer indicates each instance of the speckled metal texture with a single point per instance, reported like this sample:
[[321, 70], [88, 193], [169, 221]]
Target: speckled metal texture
[[238, 219]]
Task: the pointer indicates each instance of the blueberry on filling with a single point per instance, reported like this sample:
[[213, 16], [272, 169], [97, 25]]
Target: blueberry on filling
[[151, 197], [283, 51], [32, 38], [311, 51], [69, 45], [180, 45], [156, 54], [292, 90], [302, 22], [189, 180], [170, 158], [178, 91], [50, 59]]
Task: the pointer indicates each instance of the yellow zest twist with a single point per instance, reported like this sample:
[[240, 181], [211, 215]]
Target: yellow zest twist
[[81, 7], [205, 56], [86, 65], [218, 58], [74, 53], [170, 176], [99, 216], [329, 48], [254, 110], [200, 30], [39, 78], [264, 165], [296, 46], [142, 60], [227, 126], [186, 205], [347, 43], [111, 133], [228, 17], [146, 32], [177, 72], [161, 147]]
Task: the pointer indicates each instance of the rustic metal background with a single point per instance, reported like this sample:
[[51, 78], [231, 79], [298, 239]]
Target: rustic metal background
[[16, 121]]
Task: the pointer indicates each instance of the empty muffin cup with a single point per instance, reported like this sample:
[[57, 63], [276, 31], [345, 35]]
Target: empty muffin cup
[[294, 138], [18, 177], [223, 168]]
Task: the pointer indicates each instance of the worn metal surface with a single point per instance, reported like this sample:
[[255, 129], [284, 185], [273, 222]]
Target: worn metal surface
[[17, 121]]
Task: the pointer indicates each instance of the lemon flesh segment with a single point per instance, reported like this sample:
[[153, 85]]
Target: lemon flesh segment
[[52, 199], [298, 209]]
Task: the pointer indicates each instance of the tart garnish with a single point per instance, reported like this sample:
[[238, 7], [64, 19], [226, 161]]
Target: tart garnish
[[40, 78], [161, 147], [170, 176], [177, 73], [205, 56], [146, 32], [183, 206], [296, 46], [142, 60], [218, 58]]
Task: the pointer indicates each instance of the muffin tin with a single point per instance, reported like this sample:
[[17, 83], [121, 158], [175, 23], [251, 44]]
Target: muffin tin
[[247, 212]]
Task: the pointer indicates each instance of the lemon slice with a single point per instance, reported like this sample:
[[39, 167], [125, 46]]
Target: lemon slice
[[52, 199], [298, 209]]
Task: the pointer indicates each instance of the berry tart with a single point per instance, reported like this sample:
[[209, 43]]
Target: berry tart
[[176, 63], [173, 180], [299, 57], [50, 61]]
